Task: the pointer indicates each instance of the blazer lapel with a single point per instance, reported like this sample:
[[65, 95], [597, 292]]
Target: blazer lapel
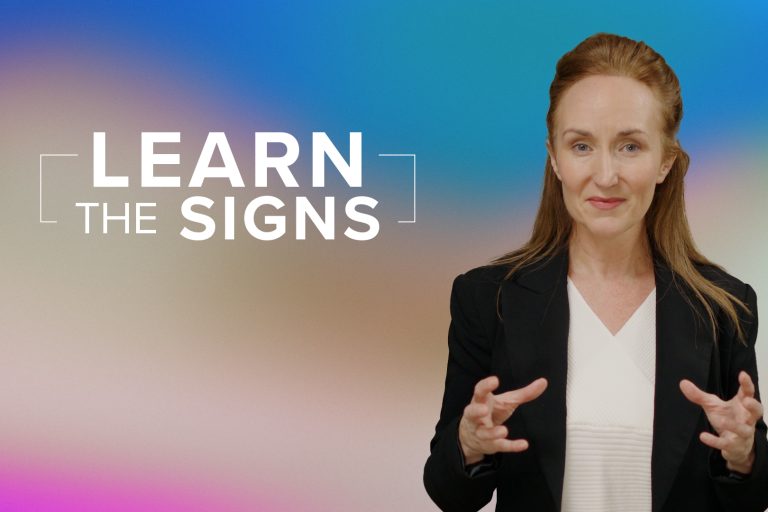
[[683, 351], [536, 323], [536, 316]]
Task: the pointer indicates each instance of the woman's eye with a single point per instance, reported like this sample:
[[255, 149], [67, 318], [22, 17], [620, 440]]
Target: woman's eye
[[632, 148], [580, 146]]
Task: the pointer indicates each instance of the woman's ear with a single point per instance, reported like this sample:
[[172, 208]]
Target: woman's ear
[[666, 166], [551, 154]]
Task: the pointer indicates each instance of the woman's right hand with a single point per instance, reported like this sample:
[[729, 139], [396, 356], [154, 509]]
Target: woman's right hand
[[481, 431]]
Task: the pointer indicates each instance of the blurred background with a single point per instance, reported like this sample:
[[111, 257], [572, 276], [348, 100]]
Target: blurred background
[[149, 372]]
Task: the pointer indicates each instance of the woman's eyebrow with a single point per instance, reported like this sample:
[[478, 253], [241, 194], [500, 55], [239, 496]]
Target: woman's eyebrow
[[622, 133], [631, 131], [583, 133]]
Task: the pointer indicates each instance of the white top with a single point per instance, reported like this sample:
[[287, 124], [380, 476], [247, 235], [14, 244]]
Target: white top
[[609, 400]]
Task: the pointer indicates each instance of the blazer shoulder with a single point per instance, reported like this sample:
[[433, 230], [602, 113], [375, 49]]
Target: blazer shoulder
[[486, 275], [724, 280], [481, 282], [477, 289], [738, 288]]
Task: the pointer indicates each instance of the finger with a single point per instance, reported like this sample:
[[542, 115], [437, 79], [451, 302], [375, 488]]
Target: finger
[[728, 419], [696, 395], [510, 445], [726, 425], [502, 413], [489, 434], [520, 396], [743, 430], [755, 409], [475, 411], [713, 441], [746, 386], [483, 387]]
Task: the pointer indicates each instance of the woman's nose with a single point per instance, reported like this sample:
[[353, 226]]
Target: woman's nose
[[605, 173]]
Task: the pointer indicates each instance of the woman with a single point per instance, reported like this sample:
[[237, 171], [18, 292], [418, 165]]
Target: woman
[[610, 313]]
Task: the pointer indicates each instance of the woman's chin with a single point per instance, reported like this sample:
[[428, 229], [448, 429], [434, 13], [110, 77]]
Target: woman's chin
[[607, 228]]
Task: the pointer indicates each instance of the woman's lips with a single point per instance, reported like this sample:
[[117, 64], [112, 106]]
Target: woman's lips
[[605, 203]]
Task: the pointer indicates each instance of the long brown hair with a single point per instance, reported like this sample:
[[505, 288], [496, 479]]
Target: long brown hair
[[666, 222]]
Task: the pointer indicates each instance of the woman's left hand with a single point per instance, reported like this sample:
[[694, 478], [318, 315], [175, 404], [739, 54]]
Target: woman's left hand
[[734, 421]]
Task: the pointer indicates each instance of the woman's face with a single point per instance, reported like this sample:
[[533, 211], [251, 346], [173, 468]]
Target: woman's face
[[608, 153]]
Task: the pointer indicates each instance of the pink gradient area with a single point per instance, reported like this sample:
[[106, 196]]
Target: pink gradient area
[[28, 487]]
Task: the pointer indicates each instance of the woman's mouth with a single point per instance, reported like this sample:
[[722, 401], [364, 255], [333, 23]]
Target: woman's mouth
[[605, 203]]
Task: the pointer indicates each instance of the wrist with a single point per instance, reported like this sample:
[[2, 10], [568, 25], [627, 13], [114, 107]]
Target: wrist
[[470, 456], [744, 467]]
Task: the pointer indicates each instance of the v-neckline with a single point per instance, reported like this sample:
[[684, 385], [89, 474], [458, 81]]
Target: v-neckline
[[597, 317]]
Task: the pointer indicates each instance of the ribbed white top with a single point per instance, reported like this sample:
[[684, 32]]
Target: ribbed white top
[[609, 398]]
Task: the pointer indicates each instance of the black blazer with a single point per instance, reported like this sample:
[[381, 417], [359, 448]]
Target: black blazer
[[531, 342]]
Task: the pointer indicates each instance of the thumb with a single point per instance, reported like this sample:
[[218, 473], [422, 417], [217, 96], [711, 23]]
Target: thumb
[[696, 395]]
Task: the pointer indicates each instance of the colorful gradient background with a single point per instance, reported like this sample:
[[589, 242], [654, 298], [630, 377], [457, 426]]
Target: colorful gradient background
[[153, 373]]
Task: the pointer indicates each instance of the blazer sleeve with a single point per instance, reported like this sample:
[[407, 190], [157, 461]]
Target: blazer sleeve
[[750, 493], [451, 484]]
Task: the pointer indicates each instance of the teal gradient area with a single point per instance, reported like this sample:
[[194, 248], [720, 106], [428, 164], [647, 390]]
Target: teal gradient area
[[149, 372], [467, 84]]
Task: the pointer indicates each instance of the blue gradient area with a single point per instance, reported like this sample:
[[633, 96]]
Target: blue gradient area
[[167, 352], [465, 86]]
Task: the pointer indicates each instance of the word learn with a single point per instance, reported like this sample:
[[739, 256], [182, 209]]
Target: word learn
[[197, 208]]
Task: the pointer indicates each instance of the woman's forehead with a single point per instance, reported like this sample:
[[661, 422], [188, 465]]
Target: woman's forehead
[[608, 105]]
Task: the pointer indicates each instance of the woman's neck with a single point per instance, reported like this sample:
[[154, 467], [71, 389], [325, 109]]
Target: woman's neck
[[627, 256]]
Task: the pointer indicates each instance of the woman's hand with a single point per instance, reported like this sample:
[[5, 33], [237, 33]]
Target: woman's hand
[[481, 431], [734, 421]]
